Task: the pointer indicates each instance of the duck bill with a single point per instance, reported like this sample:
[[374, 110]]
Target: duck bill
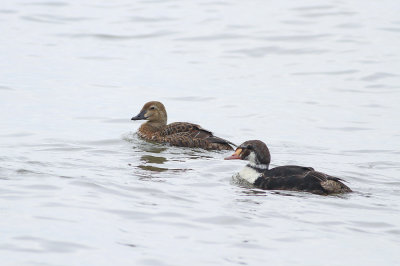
[[140, 116], [235, 156]]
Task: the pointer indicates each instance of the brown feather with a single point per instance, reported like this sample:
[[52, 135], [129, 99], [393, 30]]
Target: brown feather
[[182, 134]]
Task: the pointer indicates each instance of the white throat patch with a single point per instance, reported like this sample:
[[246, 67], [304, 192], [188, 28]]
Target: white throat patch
[[249, 174]]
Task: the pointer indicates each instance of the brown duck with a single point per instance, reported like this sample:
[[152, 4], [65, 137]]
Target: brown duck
[[180, 134], [289, 177]]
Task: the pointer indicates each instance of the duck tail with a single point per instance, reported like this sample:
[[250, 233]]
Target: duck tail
[[219, 140], [335, 186]]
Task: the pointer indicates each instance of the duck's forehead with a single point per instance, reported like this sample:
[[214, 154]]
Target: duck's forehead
[[247, 142], [150, 104], [147, 105], [250, 142]]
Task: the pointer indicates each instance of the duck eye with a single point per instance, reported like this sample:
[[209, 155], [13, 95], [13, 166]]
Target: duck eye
[[152, 108], [249, 147]]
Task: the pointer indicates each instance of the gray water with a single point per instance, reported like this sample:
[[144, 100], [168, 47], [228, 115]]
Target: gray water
[[318, 81]]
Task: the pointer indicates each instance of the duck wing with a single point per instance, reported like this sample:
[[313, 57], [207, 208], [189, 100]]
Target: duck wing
[[180, 127], [289, 170], [299, 178], [290, 177], [192, 135]]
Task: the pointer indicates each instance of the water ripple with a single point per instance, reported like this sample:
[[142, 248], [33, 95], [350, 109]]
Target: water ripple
[[115, 37], [315, 7], [53, 19], [342, 72], [328, 14], [192, 98], [215, 37], [318, 82], [8, 11], [161, 19], [6, 88], [44, 245], [267, 50], [378, 76], [295, 38], [48, 3], [396, 30]]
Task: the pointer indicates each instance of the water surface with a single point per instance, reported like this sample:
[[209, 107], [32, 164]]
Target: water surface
[[319, 83]]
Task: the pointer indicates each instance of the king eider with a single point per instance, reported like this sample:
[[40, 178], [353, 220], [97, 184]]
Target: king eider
[[289, 177], [180, 134]]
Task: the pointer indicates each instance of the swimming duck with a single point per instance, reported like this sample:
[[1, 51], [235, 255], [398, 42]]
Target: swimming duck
[[180, 134], [289, 177]]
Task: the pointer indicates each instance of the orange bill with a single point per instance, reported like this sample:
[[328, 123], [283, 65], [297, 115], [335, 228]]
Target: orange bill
[[235, 155]]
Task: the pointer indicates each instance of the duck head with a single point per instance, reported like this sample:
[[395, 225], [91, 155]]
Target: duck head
[[254, 151], [153, 112]]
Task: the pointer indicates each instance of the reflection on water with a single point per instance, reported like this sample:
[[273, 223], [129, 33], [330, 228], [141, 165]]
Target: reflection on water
[[153, 159], [317, 82], [152, 168]]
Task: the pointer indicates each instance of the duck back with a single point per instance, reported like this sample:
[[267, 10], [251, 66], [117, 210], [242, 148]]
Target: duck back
[[183, 134], [299, 178]]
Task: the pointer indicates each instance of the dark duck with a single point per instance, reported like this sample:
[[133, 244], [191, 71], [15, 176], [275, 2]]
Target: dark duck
[[180, 134], [289, 177]]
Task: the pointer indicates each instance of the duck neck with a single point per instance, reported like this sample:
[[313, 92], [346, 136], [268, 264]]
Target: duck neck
[[154, 126], [258, 167]]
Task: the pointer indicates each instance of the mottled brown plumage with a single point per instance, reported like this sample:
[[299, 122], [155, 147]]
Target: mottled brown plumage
[[289, 177], [180, 134]]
